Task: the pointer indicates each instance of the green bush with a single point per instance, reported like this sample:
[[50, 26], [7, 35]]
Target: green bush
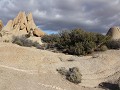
[[78, 49], [50, 38], [76, 42], [72, 75], [23, 41]]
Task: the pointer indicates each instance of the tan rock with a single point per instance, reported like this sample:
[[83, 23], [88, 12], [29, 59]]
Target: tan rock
[[1, 25], [23, 22], [22, 26], [16, 20], [37, 32], [31, 24], [23, 19], [27, 28], [29, 17], [9, 26], [17, 28], [114, 32]]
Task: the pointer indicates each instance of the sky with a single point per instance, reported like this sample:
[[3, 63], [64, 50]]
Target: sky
[[55, 15]]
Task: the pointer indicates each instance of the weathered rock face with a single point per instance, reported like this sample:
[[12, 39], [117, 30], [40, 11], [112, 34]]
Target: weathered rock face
[[1, 25], [9, 25], [114, 32], [23, 23], [38, 33]]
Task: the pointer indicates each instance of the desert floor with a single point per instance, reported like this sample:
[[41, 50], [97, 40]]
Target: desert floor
[[28, 68]]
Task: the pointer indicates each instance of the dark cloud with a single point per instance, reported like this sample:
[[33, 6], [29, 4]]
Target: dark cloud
[[54, 15]]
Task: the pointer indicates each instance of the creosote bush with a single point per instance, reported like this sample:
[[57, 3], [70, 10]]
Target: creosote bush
[[76, 42], [72, 75], [23, 41]]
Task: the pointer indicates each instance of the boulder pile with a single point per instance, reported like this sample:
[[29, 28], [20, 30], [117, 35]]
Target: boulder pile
[[23, 24]]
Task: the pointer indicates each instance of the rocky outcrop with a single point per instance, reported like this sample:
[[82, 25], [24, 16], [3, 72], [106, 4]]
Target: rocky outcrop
[[114, 32], [23, 23], [1, 25]]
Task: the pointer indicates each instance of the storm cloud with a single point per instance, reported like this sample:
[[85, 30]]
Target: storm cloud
[[54, 15]]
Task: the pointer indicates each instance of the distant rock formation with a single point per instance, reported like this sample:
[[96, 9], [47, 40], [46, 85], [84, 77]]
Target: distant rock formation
[[23, 24], [1, 25], [114, 32]]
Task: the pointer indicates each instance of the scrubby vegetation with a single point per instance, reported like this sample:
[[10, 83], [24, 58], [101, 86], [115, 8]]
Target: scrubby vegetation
[[23, 41], [76, 42], [72, 75], [113, 44]]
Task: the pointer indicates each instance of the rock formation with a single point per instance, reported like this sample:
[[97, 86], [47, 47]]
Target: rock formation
[[1, 25], [114, 32], [23, 24]]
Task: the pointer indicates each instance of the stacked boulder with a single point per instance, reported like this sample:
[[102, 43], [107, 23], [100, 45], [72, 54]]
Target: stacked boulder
[[23, 24]]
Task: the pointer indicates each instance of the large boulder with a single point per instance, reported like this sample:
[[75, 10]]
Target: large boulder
[[114, 32], [1, 25]]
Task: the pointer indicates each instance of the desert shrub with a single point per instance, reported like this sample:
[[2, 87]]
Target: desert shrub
[[76, 42], [78, 49], [50, 38], [23, 41], [72, 75], [62, 71], [113, 44]]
